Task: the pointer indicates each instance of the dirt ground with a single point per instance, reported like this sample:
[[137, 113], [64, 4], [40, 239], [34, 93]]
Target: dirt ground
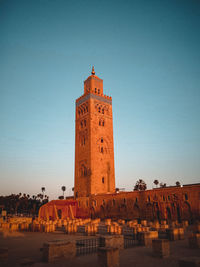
[[24, 250]]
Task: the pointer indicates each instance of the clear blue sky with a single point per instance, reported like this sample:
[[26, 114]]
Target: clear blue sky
[[147, 53]]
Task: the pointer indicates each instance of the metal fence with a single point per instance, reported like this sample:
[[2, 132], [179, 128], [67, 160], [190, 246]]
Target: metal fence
[[91, 245], [87, 246], [130, 241]]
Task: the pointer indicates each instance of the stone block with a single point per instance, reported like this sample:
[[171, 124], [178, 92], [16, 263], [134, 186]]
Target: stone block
[[160, 248], [194, 240], [108, 257], [115, 241], [54, 250], [189, 262], [156, 225], [173, 234], [144, 222], [181, 234], [108, 222], [145, 238], [185, 224]]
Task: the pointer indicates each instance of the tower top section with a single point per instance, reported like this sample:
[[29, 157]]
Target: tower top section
[[93, 84], [93, 72]]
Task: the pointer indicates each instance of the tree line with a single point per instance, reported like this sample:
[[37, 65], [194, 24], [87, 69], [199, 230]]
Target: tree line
[[23, 204]]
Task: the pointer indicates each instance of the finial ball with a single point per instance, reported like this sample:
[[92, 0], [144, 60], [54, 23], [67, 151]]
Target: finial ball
[[93, 72]]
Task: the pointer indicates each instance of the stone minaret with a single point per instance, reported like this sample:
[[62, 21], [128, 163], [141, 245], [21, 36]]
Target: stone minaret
[[94, 147]]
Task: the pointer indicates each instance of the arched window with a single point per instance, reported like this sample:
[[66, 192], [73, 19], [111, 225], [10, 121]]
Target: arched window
[[186, 196], [102, 111], [85, 122], [101, 149], [99, 122], [102, 180], [81, 124], [99, 109], [102, 123], [95, 90], [85, 171], [98, 91], [101, 140]]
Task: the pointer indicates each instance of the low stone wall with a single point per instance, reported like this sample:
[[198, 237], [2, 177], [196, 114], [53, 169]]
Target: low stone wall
[[54, 250], [116, 241], [160, 248], [145, 238], [108, 257]]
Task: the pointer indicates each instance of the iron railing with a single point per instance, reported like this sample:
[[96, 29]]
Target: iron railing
[[87, 246], [91, 245], [130, 241]]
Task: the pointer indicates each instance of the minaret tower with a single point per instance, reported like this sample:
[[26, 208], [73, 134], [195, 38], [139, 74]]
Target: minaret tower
[[94, 148]]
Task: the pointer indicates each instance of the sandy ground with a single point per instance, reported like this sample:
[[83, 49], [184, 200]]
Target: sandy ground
[[25, 247]]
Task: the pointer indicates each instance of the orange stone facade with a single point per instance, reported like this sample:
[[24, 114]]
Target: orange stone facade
[[94, 188], [94, 147], [171, 203]]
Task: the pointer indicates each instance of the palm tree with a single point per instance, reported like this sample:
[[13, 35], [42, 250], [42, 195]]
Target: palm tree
[[43, 190], [140, 185], [63, 189], [156, 182], [178, 183]]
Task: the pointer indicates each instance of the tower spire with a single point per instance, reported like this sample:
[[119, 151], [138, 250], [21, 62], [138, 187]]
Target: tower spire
[[93, 72]]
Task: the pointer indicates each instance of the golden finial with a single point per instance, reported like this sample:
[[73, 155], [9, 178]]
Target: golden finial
[[93, 72]]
